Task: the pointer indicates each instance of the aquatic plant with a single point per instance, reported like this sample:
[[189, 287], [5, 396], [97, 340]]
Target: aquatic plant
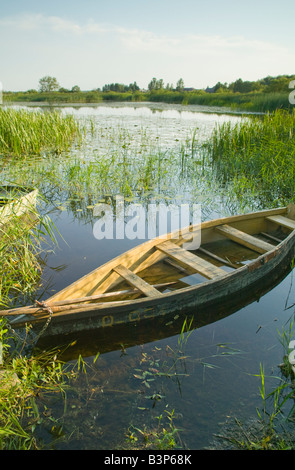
[[21, 255], [161, 437], [23, 380], [116, 161], [274, 428], [30, 132], [258, 154]]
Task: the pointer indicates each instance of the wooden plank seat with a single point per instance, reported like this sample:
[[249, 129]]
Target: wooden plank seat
[[190, 260], [244, 238], [136, 281], [283, 221]]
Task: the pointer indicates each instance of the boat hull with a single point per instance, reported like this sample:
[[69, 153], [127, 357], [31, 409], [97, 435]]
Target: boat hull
[[266, 270], [22, 203]]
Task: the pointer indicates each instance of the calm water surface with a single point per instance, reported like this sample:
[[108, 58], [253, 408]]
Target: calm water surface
[[144, 371]]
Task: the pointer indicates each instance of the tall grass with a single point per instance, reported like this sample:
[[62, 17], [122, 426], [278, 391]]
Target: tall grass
[[258, 153], [257, 102], [24, 132], [254, 102], [117, 161], [21, 247], [27, 384]]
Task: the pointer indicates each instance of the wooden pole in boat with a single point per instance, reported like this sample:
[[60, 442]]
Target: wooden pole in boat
[[42, 306]]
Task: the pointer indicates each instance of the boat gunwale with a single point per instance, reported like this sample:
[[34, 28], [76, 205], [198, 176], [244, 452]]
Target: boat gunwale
[[83, 310], [22, 201], [153, 242]]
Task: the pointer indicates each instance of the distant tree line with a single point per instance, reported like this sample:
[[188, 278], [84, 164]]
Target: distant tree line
[[120, 88], [49, 84], [159, 85], [265, 85], [279, 84]]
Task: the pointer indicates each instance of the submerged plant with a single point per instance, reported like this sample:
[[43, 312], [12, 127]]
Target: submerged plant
[[161, 437], [274, 428], [23, 381]]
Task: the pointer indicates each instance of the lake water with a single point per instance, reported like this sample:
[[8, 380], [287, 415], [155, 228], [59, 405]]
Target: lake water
[[205, 378]]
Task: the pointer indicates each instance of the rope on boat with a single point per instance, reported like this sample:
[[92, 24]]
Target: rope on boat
[[44, 306]]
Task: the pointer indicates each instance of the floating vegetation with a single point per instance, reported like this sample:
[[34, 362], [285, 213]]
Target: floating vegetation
[[28, 386], [111, 162]]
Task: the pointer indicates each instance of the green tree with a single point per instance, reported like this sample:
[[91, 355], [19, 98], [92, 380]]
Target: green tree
[[169, 87], [239, 86], [152, 84], [156, 84], [278, 84], [220, 87], [48, 84], [180, 85], [133, 87], [160, 84]]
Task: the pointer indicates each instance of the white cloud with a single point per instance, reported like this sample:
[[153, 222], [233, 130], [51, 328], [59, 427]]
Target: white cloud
[[60, 25], [140, 40], [107, 52]]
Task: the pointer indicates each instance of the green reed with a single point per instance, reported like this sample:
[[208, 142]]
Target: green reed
[[21, 248], [27, 386], [118, 162], [257, 153], [24, 132]]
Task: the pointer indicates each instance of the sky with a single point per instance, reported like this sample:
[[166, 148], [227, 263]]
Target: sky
[[91, 43]]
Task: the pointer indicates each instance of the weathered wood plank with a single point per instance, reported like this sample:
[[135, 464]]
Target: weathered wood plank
[[244, 239], [186, 258], [271, 237], [284, 221], [100, 280], [218, 258], [136, 281]]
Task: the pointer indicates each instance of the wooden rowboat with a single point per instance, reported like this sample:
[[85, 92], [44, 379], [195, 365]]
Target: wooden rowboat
[[160, 276], [15, 201]]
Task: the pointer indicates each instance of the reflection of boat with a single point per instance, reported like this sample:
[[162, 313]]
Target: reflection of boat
[[15, 201], [160, 277]]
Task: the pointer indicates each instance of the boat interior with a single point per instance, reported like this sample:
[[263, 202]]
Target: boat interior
[[161, 266]]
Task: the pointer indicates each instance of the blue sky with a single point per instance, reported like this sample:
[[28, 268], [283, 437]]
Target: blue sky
[[93, 42]]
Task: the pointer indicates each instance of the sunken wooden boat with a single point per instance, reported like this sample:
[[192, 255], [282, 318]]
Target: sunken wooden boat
[[161, 276], [15, 201]]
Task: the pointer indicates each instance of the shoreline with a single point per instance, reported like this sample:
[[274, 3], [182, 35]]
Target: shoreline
[[135, 104]]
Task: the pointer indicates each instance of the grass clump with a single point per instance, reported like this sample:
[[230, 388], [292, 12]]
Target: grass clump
[[257, 153], [161, 437], [25, 384], [22, 242], [31, 132]]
